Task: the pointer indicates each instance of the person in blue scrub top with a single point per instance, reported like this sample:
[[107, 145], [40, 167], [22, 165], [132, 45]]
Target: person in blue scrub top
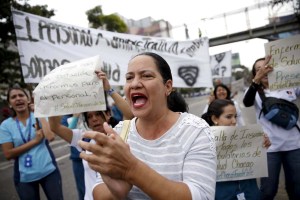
[[28, 145]]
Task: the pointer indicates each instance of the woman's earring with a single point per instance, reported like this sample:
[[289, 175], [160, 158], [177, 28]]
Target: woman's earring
[[216, 123]]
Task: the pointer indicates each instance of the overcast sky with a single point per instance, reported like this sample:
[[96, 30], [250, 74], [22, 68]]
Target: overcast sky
[[177, 12]]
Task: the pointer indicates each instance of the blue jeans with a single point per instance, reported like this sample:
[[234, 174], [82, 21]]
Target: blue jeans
[[228, 190], [290, 161], [51, 185]]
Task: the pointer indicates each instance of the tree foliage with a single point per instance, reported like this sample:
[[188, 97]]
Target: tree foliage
[[243, 72], [10, 68], [110, 22], [95, 16], [114, 23]]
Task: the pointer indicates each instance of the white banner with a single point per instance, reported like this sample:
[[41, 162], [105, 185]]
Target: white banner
[[45, 44], [70, 88], [286, 62], [240, 152], [220, 64]]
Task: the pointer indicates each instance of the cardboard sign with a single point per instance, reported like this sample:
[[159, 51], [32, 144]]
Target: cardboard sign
[[240, 152], [286, 62], [71, 88]]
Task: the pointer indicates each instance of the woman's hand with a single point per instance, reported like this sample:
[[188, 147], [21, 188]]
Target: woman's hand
[[31, 107], [263, 70], [102, 76], [110, 156], [76, 114], [39, 135], [266, 142], [211, 98]]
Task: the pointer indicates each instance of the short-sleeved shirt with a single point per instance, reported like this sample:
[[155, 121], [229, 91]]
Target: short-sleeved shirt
[[185, 153], [89, 174], [43, 161]]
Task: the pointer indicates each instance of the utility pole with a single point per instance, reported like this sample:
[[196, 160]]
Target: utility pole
[[199, 32], [186, 31]]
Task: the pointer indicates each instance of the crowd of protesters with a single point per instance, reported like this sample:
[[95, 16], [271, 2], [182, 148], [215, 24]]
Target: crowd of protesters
[[168, 153]]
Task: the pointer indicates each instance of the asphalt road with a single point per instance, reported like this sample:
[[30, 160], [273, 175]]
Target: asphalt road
[[61, 151]]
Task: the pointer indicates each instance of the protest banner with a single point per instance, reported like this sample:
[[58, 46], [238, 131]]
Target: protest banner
[[220, 64], [286, 62], [240, 152], [70, 88], [45, 44]]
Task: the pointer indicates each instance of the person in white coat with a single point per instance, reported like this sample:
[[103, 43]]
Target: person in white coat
[[221, 91], [285, 149]]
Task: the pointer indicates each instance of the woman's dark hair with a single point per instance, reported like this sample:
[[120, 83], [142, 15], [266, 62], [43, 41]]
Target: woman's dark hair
[[85, 116], [8, 94], [226, 88], [216, 108], [175, 101], [253, 67]]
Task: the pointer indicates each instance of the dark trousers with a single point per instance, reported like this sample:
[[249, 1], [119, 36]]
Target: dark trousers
[[51, 185], [78, 172], [290, 161]]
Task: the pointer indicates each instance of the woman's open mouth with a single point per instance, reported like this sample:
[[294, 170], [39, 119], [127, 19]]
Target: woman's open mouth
[[138, 100]]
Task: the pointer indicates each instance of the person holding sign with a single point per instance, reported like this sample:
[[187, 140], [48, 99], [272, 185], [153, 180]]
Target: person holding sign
[[221, 91], [167, 154], [77, 165], [285, 148], [23, 141], [94, 121], [222, 112]]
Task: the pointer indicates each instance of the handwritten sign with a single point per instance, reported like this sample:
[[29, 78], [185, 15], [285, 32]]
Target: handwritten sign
[[286, 62], [220, 64], [45, 44], [240, 154], [71, 88]]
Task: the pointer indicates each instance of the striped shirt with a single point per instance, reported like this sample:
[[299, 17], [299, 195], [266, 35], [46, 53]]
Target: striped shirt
[[185, 153]]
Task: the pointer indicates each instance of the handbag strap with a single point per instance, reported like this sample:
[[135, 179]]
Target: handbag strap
[[262, 97], [125, 130], [261, 94]]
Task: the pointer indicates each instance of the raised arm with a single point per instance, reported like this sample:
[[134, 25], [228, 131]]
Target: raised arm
[[49, 135], [122, 105], [261, 72], [119, 101], [59, 129], [249, 96]]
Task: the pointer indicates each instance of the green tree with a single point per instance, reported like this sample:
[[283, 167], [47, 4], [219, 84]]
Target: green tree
[[243, 72], [10, 68], [110, 22]]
